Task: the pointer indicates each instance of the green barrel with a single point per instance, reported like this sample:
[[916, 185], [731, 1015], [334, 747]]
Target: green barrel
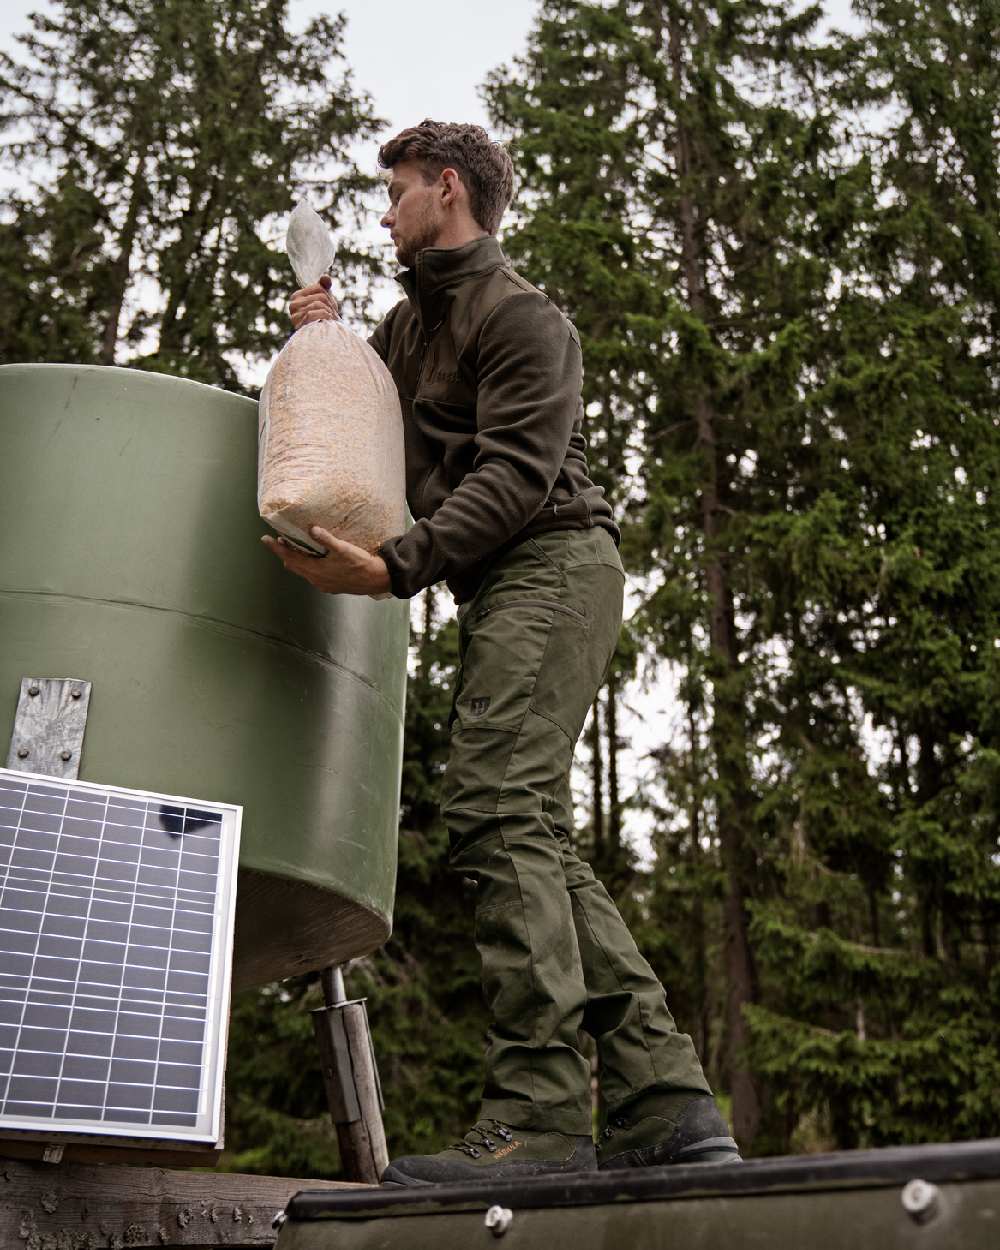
[[131, 557]]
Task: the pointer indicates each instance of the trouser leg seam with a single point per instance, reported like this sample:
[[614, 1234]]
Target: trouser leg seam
[[618, 981], [552, 722], [517, 878]]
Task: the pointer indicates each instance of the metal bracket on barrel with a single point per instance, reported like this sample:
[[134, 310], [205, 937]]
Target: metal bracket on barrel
[[49, 725]]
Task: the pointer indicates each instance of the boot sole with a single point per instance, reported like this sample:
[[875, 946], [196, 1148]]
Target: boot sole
[[397, 1179], [711, 1150]]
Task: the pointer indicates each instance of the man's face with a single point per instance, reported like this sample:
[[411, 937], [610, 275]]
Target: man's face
[[415, 215]]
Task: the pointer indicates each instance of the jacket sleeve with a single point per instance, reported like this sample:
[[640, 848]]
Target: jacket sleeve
[[530, 372]]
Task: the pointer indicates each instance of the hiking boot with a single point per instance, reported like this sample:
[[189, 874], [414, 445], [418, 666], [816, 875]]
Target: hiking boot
[[492, 1151], [662, 1128]]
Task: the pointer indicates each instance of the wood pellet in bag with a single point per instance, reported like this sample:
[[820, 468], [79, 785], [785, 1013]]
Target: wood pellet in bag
[[330, 446]]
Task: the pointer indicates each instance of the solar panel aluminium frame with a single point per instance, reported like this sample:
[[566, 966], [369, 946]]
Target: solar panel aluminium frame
[[208, 1127]]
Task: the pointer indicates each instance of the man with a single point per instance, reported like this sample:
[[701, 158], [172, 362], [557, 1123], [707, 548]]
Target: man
[[489, 375]]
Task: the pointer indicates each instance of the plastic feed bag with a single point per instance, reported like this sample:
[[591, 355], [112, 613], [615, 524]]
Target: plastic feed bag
[[330, 434], [308, 244]]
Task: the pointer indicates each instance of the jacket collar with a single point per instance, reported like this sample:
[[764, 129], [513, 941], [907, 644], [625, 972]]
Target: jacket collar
[[439, 269]]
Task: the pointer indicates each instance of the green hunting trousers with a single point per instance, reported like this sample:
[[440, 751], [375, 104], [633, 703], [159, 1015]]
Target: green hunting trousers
[[535, 645]]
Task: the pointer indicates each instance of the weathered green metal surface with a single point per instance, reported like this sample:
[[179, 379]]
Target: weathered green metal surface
[[131, 557], [850, 1201]]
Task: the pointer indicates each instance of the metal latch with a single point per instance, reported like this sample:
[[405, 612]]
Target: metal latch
[[499, 1219]]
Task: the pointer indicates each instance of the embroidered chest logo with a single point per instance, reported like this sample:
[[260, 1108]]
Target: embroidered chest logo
[[443, 375], [478, 707]]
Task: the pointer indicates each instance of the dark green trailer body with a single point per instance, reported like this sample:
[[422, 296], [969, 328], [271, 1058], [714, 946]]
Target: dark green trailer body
[[906, 1198], [131, 557]]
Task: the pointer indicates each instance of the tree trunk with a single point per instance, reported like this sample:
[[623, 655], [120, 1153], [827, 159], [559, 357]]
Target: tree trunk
[[614, 797], [121, 270], [932, 901], [427, 625], [873, 916], [728, 731], [704, 1018], [200, 219], [597, 782]]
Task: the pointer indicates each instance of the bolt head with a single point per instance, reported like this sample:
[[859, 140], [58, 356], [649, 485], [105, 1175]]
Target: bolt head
[[33, 690], [76, 694], [22, 753], [919, 1199], [65, 756], [499, 1219]]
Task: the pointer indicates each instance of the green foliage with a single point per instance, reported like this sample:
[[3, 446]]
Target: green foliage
[[277, 1122], [895, 636]]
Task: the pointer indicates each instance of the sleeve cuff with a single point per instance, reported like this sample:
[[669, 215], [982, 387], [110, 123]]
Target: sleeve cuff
[[400, 578]]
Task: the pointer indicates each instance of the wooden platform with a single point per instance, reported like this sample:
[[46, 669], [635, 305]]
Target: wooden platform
[[73, 1206]]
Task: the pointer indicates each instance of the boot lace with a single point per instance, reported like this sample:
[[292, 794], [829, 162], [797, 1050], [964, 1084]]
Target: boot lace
[[613, 1125], [482, 1132]]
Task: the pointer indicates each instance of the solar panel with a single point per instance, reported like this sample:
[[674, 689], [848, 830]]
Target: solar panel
[[116, 922]]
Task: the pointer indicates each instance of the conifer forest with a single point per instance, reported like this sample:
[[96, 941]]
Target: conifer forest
[[780, 243]]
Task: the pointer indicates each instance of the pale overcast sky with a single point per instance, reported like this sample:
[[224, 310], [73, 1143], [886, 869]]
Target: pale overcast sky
[[417, 60]]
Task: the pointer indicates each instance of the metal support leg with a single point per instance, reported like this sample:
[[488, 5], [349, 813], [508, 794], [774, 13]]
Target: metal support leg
[[351, 1079]]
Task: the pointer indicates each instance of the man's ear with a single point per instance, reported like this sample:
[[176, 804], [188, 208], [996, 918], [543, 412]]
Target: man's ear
[[452, 188]]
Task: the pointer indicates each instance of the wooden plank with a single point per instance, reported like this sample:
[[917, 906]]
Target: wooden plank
[[77, 1207]]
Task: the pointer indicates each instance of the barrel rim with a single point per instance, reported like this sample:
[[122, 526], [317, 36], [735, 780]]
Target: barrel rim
[[46, 366], [864, 1169]]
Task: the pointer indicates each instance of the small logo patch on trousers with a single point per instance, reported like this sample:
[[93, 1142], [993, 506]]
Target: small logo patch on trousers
[[478, 707]]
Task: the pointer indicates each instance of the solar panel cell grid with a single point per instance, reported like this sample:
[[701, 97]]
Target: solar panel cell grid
[[110, 928]]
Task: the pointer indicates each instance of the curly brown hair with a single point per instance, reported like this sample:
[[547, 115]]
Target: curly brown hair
[[485, 167]]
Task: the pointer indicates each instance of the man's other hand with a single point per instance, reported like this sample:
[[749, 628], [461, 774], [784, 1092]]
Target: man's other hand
[[313, 303], [344, 570]]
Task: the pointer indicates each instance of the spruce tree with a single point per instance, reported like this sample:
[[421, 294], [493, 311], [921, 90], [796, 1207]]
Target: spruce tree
[[155, 148], [893, 587]]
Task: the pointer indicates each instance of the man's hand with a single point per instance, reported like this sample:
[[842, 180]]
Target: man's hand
[[344, 570], [313, 303]]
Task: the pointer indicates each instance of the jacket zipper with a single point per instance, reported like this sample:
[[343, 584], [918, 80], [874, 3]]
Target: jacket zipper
[[425, 342], [532, 603], [420, 367]]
